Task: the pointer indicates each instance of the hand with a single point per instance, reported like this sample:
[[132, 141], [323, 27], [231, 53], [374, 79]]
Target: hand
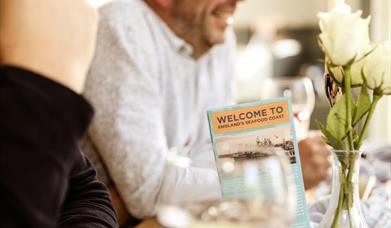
[[314, 156], [55, 38]]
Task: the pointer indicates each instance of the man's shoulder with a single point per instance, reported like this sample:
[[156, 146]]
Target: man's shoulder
[[123, 12], [127, 23]]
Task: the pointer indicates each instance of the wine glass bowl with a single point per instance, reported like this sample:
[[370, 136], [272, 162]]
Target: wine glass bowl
[[301, 92], [257, 192]]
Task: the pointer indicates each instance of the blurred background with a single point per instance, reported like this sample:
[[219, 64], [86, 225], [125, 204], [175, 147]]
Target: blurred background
[[277, 45]]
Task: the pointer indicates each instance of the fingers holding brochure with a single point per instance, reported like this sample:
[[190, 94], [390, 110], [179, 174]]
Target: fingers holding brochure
[[315, 162]]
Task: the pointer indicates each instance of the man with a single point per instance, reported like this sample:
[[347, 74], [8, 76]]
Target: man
[[44, 179], [159, 65]]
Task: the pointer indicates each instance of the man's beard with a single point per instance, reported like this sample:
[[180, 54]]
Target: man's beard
[[193, 30]]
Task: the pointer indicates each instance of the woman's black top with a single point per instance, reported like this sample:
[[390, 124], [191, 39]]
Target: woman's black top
[[45, 181]]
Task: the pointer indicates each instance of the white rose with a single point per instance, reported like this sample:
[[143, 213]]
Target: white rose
[[355, 71], [377, 69], [344, 35]]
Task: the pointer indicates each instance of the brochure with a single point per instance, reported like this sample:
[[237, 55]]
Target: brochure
[[248, 132]]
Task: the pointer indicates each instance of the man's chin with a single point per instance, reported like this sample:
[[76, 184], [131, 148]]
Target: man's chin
[[216, 38]]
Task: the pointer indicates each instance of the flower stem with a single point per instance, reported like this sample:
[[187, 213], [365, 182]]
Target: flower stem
[[340, 199], [348, 94], [349, 187], [376, 98], [345, 192]]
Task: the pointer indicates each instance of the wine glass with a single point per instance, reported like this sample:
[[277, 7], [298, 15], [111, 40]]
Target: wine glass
[[301, 92], [257, 191], [256, 176]]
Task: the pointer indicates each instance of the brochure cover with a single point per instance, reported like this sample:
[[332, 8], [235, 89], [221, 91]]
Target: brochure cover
[[236, 132]]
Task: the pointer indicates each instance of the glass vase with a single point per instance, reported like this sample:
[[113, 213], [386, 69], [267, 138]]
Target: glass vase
[[344, 209]]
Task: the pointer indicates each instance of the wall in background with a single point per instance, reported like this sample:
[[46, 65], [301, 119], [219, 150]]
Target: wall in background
[[292, 13]]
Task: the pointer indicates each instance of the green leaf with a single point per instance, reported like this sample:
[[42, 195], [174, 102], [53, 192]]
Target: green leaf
[[328, 138], [336, 119], [363, 105]]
